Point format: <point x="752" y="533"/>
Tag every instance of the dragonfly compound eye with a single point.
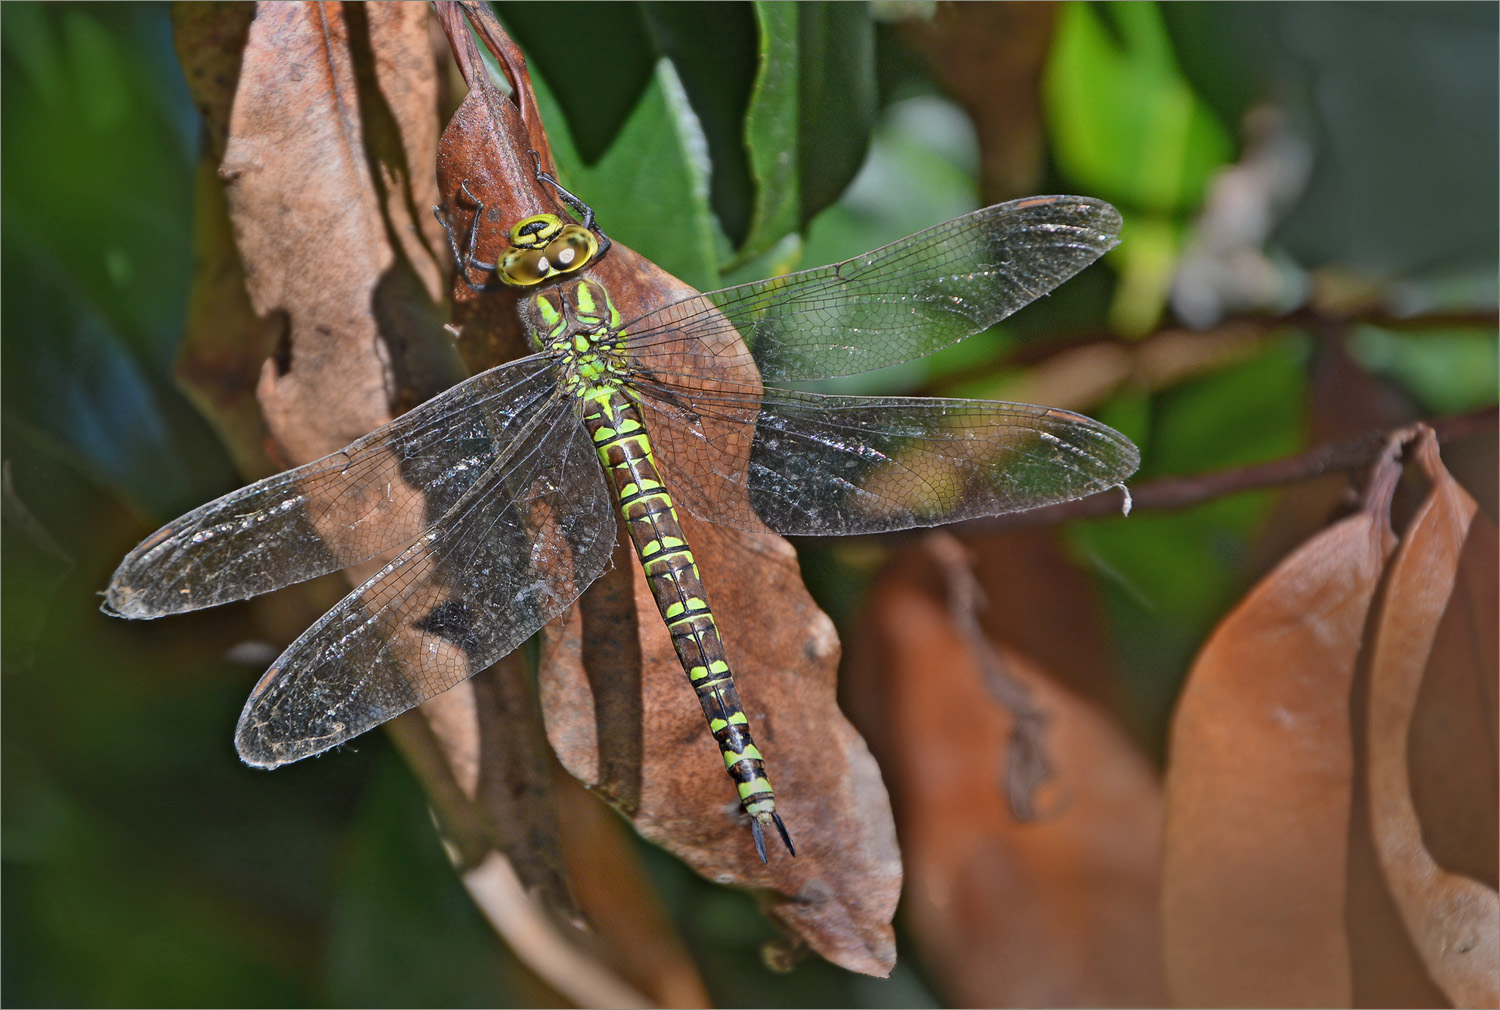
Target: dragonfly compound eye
<point x="523" y="268"/>
<point x="572" y="249"/>
<point x="536" y="231"/>
<point x="530" y="261"/>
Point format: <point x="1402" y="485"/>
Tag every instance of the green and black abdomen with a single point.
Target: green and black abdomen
<point x="620" y="437"/>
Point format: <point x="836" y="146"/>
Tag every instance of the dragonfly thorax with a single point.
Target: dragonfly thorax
<point x="578" y="327"/>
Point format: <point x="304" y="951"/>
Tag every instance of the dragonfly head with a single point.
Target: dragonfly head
<point x="544" y="246"/>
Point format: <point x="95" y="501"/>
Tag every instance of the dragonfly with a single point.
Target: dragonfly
<point x="499" y="496"/>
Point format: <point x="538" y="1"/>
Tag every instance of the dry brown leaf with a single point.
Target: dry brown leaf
<point x="1058" y="911"/>
<point x="402" y="100"/>
<point x="325" y="117"/>
<point x="1453" y="919"/>
<point x="1041" y="605"/>
<point x="311" y="226"/>
<point x="1453" y="739"/>
<point x="1259" y="780"/>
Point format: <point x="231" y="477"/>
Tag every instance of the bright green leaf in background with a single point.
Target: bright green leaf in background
<point x="835" y="97"/>
<point x="650" y="189"/>
<point x="771" y="132"/>
<point x="1123" y="121"/>
<point x="1447" y="370"/>
<point x="1125" y="124"/>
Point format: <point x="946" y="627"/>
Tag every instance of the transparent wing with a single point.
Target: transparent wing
<point x="373" y="496"/>
<point x="894" y="304"/>
<point x="510" y="554"/>
<point x="837" y="465"/>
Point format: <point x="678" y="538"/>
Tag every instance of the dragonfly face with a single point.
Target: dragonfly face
<point x="544" y="247"/>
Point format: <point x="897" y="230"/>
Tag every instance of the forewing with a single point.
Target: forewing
<point x="893" y="304"/>
<point x="511" y="554"/>
<point x="838" y="465"/>
<point x="375" y="495"/>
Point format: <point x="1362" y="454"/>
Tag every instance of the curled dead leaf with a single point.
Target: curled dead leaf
<point x="1326" y="797"/>
<point x="1453" y="919"/>
<point x="1259" y="779"/>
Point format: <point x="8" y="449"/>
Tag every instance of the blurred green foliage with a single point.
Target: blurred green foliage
<point x="144" y="865"/>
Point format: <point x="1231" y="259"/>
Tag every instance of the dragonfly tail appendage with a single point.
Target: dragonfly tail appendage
<point x="625" y="450"/>
<point x="758" y="830"/>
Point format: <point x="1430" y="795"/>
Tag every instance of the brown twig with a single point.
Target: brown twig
<point x="1181" y="492"/>
<point x="1027" y="768"/>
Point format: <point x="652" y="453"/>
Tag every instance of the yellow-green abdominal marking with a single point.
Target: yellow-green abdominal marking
<point x="579" y="326"/>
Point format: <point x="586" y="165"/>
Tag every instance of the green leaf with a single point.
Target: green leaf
<point x="714" y="49"/>
<point x="836" y="96"/>
<point x="771" y="133"/>
<point x="599" y="59"/>
<point x="1447" y="370"/>
<point x="1124" y="122"/>
<point x="650" y="190"/>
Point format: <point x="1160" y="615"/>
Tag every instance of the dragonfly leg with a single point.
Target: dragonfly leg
<point x="465" y="259"/>
<point x="576" y="204"/>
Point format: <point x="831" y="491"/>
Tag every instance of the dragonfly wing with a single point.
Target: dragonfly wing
<point x="838" y="465"/>
<point x="373" y="496"/>
<point x="896" y="303"/>
<point x="703" y="439"/>
<point x="509" y="555"/>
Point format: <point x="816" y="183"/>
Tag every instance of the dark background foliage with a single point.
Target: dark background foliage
<point x="143" y="864"/>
